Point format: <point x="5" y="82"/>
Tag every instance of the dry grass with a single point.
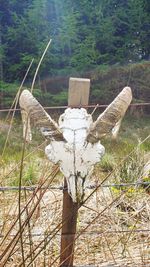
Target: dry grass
<point x="120" y="235"/>
<point x="117" y="219"/>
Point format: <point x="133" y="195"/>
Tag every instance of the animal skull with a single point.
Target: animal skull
<point x="75" y="140"/>
<point x="76" y="157"/>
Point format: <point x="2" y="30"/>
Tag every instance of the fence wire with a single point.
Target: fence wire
<point x="113" y="228"/>
<point x="61" y="188"/>
<point x="120" y="235"/>
<point x="83" y="106"/>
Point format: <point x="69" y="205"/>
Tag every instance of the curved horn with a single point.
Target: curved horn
<point x="39" y="116"/>
<point x="112" y="114"/>
<point x="115" y="129"/>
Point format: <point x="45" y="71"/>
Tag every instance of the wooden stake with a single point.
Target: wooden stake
<point x="69" y="217"/>
<point x="79" y="90"/>
<point x="78" y="96"/>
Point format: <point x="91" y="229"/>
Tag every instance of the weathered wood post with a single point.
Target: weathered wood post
<point x="75" y="146"/>
<point x="78" y="96"/>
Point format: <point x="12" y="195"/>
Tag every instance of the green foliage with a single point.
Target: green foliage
<point x="2" y="141"/>
<point x="132" y="169"/>
<point x="7" y="93"/>
<point x="86" y="35"/>
<point x="129" y="171"/>
<point x="30" y="175"/>
<point x="60" y="99"/>
<point x="107" y="163"/>
<point x="107" y="82"/>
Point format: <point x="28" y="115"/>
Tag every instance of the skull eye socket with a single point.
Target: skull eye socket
<point x="61" y="119"/>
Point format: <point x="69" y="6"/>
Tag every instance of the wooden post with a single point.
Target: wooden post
<point x="79" y="90"/>
<point x="78" y="96"/>
<point x="69" y="216"/>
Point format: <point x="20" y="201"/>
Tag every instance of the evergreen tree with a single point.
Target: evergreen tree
<point x="85" y="33"/>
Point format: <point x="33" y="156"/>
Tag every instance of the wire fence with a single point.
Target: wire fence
<point x="111" y="224"/>
<point x="61" y="188"/>
<point x="113" y="228"/>
<point x="83" y="106"/>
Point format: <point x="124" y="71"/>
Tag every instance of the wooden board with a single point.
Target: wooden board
<point x="79" y="90"/>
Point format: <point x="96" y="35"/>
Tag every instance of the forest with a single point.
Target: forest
<point x="105" y="40"/>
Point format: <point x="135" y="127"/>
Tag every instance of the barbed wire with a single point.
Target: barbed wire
<point x="61" y="188"/>
<point x="83" y="106"/>
<point x="91" y="186"/>
<point x="88" y="233"/>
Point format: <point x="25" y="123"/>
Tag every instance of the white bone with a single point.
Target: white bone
<point x="76" y="157"/>
<point x="116" y="129"/>
<point x="75" y="144"/>
<point x="27" y="134"/>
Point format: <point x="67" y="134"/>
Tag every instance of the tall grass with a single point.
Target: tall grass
<point x="43" y="214"/>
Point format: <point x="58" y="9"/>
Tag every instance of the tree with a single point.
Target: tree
<point x="85" y="33"/>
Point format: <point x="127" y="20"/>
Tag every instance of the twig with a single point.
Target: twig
<point x="37" y="69"/>
<point x="16" y="238"/>
<point x="16" y="102"/>
<point x="59" y="226"/>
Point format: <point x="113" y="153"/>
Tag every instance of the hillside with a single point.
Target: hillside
<point x="106" y="82"/>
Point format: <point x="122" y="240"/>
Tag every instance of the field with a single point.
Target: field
<point x="114" y="222"/>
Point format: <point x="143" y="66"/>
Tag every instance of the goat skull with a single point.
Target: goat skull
<point x="74" y="141"/>
<point x="76" y="157"/>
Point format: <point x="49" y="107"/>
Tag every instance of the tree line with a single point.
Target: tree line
<point x="86" y="34"/>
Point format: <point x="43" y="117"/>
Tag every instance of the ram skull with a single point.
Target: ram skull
<point x="75" y="140"/>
